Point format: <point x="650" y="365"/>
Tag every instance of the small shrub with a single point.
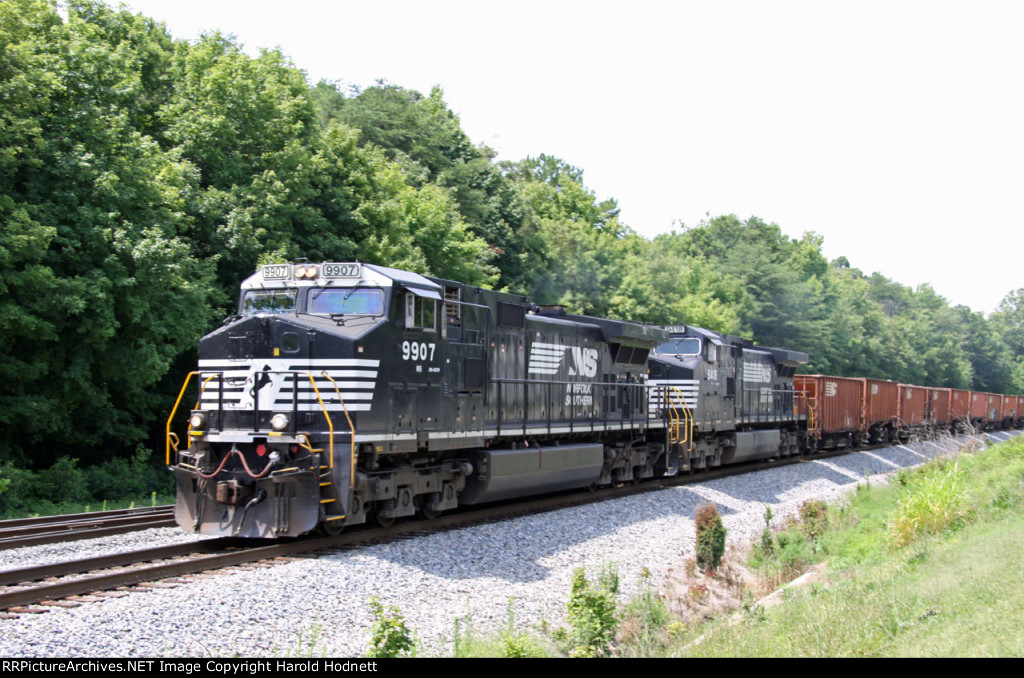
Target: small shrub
<point x="767" y="541"/>
<point x="390" y="637"/>
<point x="710" y="537"/>
<point x="591" y="614"/>
<point x="517" y="644"/>
<point x="813" y="518"/>
<point x="509" y="643"/>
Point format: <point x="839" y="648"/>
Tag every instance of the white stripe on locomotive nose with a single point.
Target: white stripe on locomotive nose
<point x="286" y="374"/>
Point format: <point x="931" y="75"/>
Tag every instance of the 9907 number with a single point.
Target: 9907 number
<point x="417" y="350"/>
<point x="341" y="270"/>
<point x="276" y="271"/>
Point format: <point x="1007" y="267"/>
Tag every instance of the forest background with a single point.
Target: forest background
<point x="143" y="177"/>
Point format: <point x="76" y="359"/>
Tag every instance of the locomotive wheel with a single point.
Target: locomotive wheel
<point x="382" y="521"/>
<point x="423" y="511"/>
<point x="332" y="528"/>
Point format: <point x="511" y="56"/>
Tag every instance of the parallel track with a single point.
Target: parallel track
<point x="51" y="529"/>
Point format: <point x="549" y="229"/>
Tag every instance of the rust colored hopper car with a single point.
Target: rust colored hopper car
<point x="836" y="409"/>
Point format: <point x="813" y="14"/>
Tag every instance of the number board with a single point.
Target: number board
<point x="342" y="270"/>
<point x="276" y="271"/>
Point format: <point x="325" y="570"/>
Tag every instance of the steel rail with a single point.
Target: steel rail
<point x="71" y="517"/>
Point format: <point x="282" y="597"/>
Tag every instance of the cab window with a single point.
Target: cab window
<point x="684" y="346"/>
<point x="346" y="301"/>
<point x="268" y="301"/>
<point x="420" y="313"/>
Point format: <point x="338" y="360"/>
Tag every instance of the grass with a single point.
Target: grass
<point x="938" y="598"/>
<point x="926" y="567"/>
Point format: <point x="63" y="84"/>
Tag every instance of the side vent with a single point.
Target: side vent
<point x="473" y="371"/>
<point x="511" y="315"/>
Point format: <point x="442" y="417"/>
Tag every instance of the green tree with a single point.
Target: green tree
<point x="1008" y="323"/>
<point x="100" y="291"/>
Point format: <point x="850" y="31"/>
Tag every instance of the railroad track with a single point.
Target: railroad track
<point x="51" y="529"/>
<point x="68" y="583"/>
<point x="43" y="585"/>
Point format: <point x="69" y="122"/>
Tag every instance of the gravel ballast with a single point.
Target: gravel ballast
<point x="432" y="579"/>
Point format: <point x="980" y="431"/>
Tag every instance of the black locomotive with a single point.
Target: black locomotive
<point x="347" y="390"/>
<point x="726" y="400"/>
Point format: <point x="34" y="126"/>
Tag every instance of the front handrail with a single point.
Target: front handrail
<point x="352" y="436"/>
<point x="167" y="431"/>
<point x="171" y="439"/>
<point x="686" y="417"/>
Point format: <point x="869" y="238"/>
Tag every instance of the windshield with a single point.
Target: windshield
<point x="686" y="346"/>
<point x="351" y="301"/>
<point x="268" y="301"/>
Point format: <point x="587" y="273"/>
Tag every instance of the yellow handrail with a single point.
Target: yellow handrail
<point x="174" y="410"/>
<point x="687" y="417"/>
<point x="352" y="430"/>
<point x="810" y="409"/>
<point x="330" y="424"/>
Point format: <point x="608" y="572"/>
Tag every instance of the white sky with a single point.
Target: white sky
<point x="895" y="129"/>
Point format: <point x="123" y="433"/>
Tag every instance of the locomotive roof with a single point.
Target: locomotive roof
<point x="624" y="332"/>
<point x="344" y="275"/>
<point x="406" y="278"/>
<point x="782" y="356"/>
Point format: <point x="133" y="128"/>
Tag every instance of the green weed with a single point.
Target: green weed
<point x="390" y="637"/>
<point x="591" y="613"/>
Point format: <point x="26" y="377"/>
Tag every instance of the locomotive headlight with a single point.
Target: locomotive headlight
<point x="306" y="272"/>
<point x="279" y="422"/>
<point x="197" y="422"/>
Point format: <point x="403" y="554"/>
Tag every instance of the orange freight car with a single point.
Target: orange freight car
<point x="913" y="408"/>
<point x="960" y="406"/>
<point x="881" y="409"/>
<point x="835" y="404"/>
<point x="940" y="414"/>
<point x="1016" y="409"/>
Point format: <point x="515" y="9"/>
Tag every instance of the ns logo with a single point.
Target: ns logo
<point x="584" y="362"/>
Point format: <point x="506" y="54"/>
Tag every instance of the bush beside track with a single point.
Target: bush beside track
<point x="66" y="488"/>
